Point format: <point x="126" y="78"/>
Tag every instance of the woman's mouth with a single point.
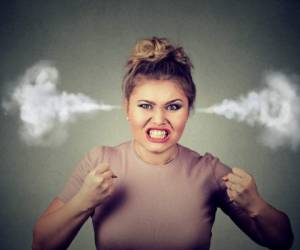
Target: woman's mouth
<point x="158" y="135"/>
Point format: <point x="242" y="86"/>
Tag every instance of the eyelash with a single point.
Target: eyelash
<point x="145" y="106"/>
<point x="171" y="107"/>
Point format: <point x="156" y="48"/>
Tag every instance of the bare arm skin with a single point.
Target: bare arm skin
<point x="60" y="222"/>
<point x="273" y="226"/>
<point x="59" y="225"/>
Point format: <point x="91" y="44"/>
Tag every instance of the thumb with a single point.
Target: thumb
<point x="101" y="168"/>
<point x="225" y="177"/>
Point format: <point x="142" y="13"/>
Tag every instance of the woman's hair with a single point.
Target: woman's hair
<point x="156" y="58"/>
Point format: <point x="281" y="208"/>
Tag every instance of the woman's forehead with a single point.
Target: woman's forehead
<point x="158" y="89"/>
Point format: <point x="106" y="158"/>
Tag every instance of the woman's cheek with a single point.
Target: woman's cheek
<point x="180" y="125"/>
<point x="180" y="128"/>
<point x="137" y="119"/>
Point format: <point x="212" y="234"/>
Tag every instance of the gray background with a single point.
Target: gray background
<point x="231" y="44"/>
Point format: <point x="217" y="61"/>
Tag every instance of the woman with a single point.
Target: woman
<point x="151" y="192"/>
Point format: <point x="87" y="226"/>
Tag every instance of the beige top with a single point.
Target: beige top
<point x="166" y="207"/>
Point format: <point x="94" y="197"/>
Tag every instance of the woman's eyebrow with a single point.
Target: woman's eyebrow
<point x="146" y="101"/>
<point x="174" y="100"/>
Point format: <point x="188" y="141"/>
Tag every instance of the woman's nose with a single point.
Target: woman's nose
<point x="159" y="116"/>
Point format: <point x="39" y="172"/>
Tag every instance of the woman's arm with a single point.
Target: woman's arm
<point x="273" y="226"/>
<point x="60" y="223"/>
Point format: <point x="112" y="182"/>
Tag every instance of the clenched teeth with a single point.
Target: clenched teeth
<point x="158" y="133"/>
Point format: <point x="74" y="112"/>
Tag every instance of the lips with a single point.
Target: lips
<point x="158" y="135"/>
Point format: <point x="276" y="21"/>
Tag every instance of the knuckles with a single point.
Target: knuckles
<point x="99" y="179"/>
<point x="105" y="186"/>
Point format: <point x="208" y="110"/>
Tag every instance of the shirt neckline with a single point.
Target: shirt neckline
<point x="168" y="165"/>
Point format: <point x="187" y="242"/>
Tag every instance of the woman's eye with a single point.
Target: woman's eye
<point x="173" y="107"/>
<point x="145" y="106"/>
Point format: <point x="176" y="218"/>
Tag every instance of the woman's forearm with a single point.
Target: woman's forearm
<point x="273" y="225"/>
<point x="57" y="229"/>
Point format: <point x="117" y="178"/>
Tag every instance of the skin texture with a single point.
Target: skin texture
<point x="151" y="105"/>
<point x="97" y="186"/>
<point x="242" y="190"/>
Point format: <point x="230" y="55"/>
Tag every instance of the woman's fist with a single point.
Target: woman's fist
<point x="97" y="186"/>
<point x="242" y="190"/>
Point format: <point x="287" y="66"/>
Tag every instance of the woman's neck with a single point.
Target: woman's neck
<point x="156" y="158"/>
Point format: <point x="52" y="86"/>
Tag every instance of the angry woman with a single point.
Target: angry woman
<point x="152" y="192"/>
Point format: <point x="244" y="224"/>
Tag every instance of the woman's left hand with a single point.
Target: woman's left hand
<point x="242" y="190"/>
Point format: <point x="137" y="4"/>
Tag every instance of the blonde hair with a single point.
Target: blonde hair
<point x="156" y="58"/>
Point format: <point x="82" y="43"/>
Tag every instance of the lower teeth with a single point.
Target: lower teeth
<point x="157" y="137"/>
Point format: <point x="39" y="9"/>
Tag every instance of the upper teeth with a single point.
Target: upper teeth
<point x="158" y="133"/>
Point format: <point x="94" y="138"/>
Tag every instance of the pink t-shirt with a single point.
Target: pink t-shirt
<point x="168" y="207"/>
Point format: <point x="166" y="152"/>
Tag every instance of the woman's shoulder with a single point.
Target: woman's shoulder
<point x="196" y="157"/>
<point x="102" y="153"/>
<point x="119" y="149"/>
<point x="96" y="151"/>
<point x="207" y="162"/>
<point x="115" y="155"/>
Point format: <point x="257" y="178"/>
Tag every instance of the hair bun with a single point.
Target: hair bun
<point x="155" y="50"/>
<point x="158" y="59"/>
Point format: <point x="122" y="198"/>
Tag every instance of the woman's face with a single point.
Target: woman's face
<point x="157" y="112"/>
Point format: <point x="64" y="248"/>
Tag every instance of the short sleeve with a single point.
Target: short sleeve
<point x="237" y="214"/>
<point x="75" y="181"/>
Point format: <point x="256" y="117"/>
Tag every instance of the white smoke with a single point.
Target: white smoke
<point x="44" y="111"/>
<point x="276" y="108"/>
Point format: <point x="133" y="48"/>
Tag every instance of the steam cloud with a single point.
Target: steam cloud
<point x="44" y="111"/>
<point x="276" y="108"/>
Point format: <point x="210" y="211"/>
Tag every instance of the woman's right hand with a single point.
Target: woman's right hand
<point x="60" y="223"/>
<point x="97" y="186"/>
